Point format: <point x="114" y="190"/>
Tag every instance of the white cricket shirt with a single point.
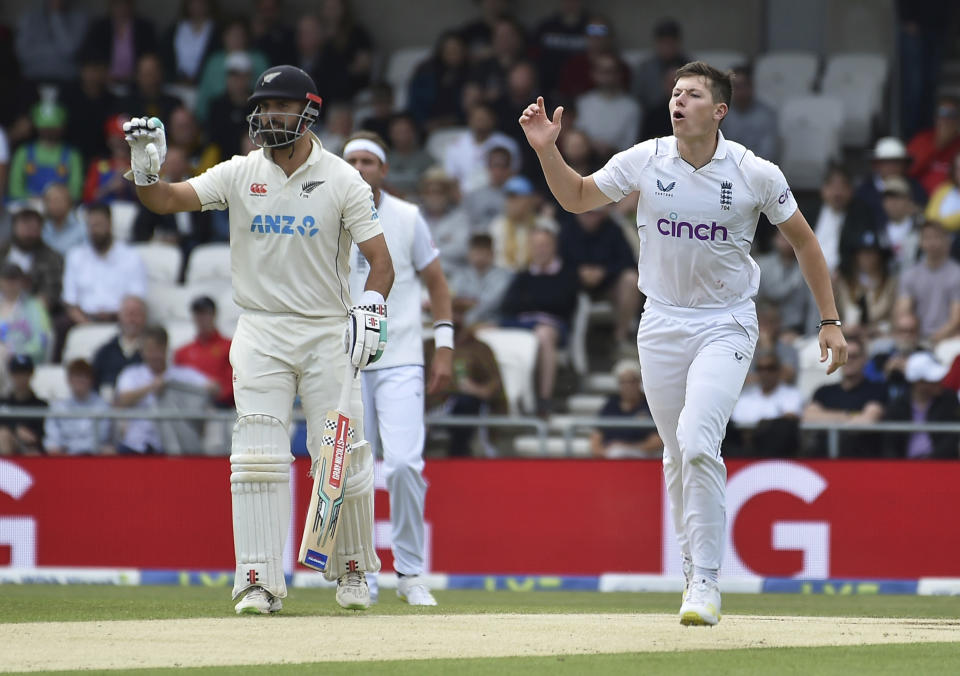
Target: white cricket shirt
<point x="696" y="225"/>
<point x="290" y="236"/>
<point x="412" y="249"/>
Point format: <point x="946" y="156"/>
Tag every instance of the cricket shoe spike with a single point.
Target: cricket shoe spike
<point x="412" y="590"/>
<point x="702" y="605"/>
<point x="258" y="601"/>
<point x="352" y="591"/>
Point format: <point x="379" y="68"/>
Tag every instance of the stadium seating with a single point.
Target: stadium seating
<point x="83" y="340"/>
<point x="179" y="333"/>
<point x="169" y="301"/>
<point x="209" y="261"/>
<point x="947" y="350"/>
<point x="516" y="354"/>
<point x="858" y="80"/>
<point x="724" y="59"/>
<point x="400" y="68"/>
<point x="439" y="139"/>
<point x="810" y="128"/>
<point x="811" y="373"/>
<point x="161" y="260"/>
<point x="778" y="76"/>
<point x="49" y="382"/>
<point x="634" y="57"/>
<point x="123" y="215"/>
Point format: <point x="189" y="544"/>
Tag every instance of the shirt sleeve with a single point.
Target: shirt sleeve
<point x="213" y="185"/>
<point x="137" y="276"/>
<point x="776" y="199"/>
<point x="359" y="215"/>
<point x="71" y="294"/>
<point x="620" y="176"/>
<point x="127" y="380"/>
<point x="424" y="251"/>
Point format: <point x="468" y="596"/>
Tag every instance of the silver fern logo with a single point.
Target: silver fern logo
<point x="309" y="187"/>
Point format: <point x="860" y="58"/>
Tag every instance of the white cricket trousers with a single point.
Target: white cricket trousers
<point x="393" y="401"/>
<point x="694" y="362"/>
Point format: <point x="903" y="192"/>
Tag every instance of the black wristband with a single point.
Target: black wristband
<point x="828" y="322"/>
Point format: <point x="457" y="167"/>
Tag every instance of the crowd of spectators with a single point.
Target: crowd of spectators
<point x="513" y="257"/>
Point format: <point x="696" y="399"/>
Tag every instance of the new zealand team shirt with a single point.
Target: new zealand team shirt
<point x="696" y="225"/>
<point x="412" y="249"/>
<point x="290" y="236"/>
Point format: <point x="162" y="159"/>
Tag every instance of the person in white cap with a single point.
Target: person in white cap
<point x="700" y="199"/>
<point x="889" y="159"/>
<point x="926" y="401"/>
<point x="393" y="388"/>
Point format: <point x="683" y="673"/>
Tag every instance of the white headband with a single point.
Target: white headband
<point x="364" y="144"/>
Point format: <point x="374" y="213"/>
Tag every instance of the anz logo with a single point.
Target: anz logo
<point x="283" y="225"/>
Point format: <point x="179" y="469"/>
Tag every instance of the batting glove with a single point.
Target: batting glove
<point x="366" y="335"/>
<point x="148" y="149"/>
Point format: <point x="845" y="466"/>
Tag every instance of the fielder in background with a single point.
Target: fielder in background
<point x="295" y="209"/>
<point x="393" y="399"/>
<point x="700" y="198"/>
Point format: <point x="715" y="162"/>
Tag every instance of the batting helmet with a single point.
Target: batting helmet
<point x="282" y="82"/>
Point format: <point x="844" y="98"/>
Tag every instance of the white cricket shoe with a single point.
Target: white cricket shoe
<point x="258" y="601"/>
<point x="412" y="590"/>
<point x="352" y="591"/>
<point x="702" y="605"/>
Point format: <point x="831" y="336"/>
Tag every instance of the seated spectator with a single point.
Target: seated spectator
<point x="576" y="74"/>
<point x="558" y="37"/>
<point x="36" y="164"/>
<point x="209" y="352"/>
<point x="576" y="149"/>
<point x="148" y="97"/>
<point x="121" y="37"/>
<point x="380" y="111"/>
<point x="24" y="323"/>
<point x="485" y="203"/>
<point x="188" y="43"/>
<point x="4" y="170"/>
<point x="407" y="159"/>
<point x="608" y="115"/>
<point x="889" y="159"/>
<point x="901" y="224"/>
<point x="478" y="33"/>
<point x="449" y="223"/>
<point x="509" y="47"/>
<point x="21" y="435"/>
<point x="889" y="363"/>
<point x="338" y="126"/>
<point x="48" y="37"/>
<point x="944" y="204"/>
<point x="347" y="53"/>
<point x="479" y="287"/>
<point x="629" y="402"/>
<point x="183" y="132"/>
<point x="100" y="273"/>
<point x="853" y="400"/>
<point x="925" y="401"/>
<point x="227" y="121"/>
<point x="512" y="229"/>
<point x="476" y="388"/>
<point x="594" y="246"/>
<point x="90" y="102"/>
<point x="522" y="88"/>
<point x="235" y="39"/>
<point x="930" y="289"/>
<point x="867" y="291"/>
<point x="152" y="385"/>
<point x="772" y="410"/>
<point x="667" y="48"/>
<point x="934" y="150"/>
<point x="62" y="229"/>
<point x="123" y="349"/>
<point x="772" y="338"/>
<point x="781" y="283"/>
<point x="436" y="87"/>
<point x="750" y="121"/>
<point x="269" y="33"/>
<point x="466" y="157"/>
<point x="543" y="297"/>
<point x="839" y="220"/>
<point x="79" y="436"/>
<point x="42" y="265"/>
<point x="105" y="182"/>
<point x="656" y="119"/>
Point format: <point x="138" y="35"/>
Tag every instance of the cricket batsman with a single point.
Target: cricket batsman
<point x="295" y="210"/>
<point x="700" y="198"/>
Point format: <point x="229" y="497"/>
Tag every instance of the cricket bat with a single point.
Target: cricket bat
<point x="329" y="480"/>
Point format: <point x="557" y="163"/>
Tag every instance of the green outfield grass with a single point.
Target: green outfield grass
<point x="50" y="603"/>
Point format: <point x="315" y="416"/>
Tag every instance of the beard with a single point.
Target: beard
<point x="27" y="243"/>
<point x="101" y="243"/>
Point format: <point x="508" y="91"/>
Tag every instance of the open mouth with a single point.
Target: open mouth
<point x="677" y="115"/>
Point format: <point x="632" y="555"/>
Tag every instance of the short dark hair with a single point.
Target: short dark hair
<point x="721" y="83"/>
<point x="80" y="367"/>
<point x="481" y="240"/>
<point x="837" y="169"/>
<point x="100" y="208"/>
<point x="933" y="223"/>
<point x="157" y="334"/>
<point x="668" y="28"/>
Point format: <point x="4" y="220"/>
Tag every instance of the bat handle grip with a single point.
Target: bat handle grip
<point x="348" y="377"/>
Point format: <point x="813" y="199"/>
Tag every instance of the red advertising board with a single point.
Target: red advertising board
<point x="572" y="517"/>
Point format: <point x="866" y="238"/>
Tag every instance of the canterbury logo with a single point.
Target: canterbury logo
<point x="269" y="77"/>
<point x="665" y="188"/>
<point x="309" y="187"/>
<point x="258" y="188"/>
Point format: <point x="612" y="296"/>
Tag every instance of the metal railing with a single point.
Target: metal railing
<point x="568" y="426"/>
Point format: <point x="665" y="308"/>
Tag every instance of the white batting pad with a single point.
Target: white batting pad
<point x="355" y="532"/>
<point x="260" y="484"/>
